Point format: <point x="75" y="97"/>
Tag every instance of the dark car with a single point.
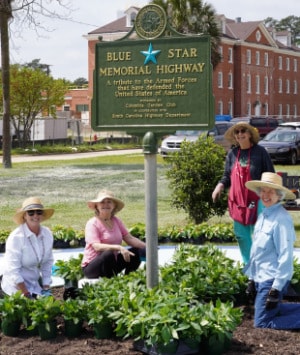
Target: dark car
<point x="264" y="124"/>
<point x="283" y="145"/>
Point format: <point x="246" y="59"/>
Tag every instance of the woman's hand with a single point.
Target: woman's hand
<point x="126" y="254"/>
<point x="217" y="192"/>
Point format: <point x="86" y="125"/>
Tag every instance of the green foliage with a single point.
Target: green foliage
<point x="45" y="310"/>
<point x="32" y="91"/>
<point x="174" y="310"/>
<point x="14" y="308"/>
<point x="70" y="270"/>
<point x="194" y="16"/>
<point x="193" y="174"/>
<point x="67" y="234"/>
<point x="74" y="310"/>
<point x="4" y="235"/>
<point x="206" y="271"/>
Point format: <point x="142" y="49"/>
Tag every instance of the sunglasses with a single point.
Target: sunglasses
<point x="32" y="212"/>
<point x="242" y="130"/>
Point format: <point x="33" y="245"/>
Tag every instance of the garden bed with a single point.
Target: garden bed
<point x="246" y="340"/>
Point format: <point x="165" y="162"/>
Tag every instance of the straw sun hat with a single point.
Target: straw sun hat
<point x="102" y="195"/>
<point x="230" y="136"/>
<point x="32" y="203"/>
<point x="273" y="181"/>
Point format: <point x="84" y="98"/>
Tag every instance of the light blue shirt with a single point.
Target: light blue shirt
<point x="271" y="256"/>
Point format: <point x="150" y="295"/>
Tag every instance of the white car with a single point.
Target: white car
<point x="172" y="143"/>
<point x="289" y="125"/>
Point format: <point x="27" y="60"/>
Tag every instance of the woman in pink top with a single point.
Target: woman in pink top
<point x="104" y="255"/>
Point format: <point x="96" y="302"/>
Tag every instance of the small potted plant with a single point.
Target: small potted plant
<point x="98" y="312"/>
<point x="74" y="313"/>
<point x="70" y="270"/>
<point x="44" y="316"/>
<point x="13" y="309"/>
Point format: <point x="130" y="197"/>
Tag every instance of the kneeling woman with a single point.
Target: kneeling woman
<point x="271" y="260"/>
<point x="104" y="255"/>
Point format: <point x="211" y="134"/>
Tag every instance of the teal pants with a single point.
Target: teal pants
<point x="243" y="236"/>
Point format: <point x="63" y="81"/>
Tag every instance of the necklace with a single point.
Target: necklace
<point x="36" y="254"/>
<point x="107" y="222"/>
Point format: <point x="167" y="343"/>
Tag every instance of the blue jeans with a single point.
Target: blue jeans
<point x="284" y="316"/>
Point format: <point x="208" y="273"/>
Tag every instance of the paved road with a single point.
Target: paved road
<point x="72" y="156"/>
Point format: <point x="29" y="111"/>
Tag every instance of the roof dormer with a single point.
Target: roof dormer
<point x="131" y="15"/>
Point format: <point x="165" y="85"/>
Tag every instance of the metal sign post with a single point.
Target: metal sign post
<point x="150" y="151"/>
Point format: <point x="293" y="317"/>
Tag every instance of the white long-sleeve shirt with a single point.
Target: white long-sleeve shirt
<point x="28" y="258"/>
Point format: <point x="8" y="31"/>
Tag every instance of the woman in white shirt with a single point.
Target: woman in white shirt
<point x="28" y="252"/>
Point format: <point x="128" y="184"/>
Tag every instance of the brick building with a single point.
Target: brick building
<point x="259" y="74"/>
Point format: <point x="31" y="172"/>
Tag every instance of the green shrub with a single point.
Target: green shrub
<point x="193" y="174"/>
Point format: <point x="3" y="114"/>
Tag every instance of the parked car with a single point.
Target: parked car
<point x="283" y="145"/>
<point x="263" y="124"/>
<point x="290" y="125"/>
<point x="172" y="143"/>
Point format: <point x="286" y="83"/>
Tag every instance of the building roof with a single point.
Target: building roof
<point x="118" y="25"/>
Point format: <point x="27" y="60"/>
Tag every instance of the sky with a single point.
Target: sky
<point x="64" y="48"/>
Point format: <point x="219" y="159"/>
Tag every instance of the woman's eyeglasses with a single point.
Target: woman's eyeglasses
<point x="32" y="212"/>
<point x="242" y="130"/>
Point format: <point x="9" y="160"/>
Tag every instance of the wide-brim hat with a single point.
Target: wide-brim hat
<point x="273" y="181"/>
<point x="102" y="195"/>
<point x="230" y="136"/>
<point x="32" y="203"/>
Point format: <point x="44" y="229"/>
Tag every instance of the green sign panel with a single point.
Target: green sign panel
<point x="158" y="85"/>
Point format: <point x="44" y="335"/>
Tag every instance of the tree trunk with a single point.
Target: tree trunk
<point x="5" y="15"/>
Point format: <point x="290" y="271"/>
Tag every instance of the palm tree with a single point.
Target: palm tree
<point x="194" y="16"/>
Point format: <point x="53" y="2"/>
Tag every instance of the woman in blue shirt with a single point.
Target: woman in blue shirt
<point x="271" y="259"/>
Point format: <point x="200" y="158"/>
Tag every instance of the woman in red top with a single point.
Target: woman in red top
<point x="104" y="255"/>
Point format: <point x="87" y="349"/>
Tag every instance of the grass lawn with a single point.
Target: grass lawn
<point x="66" y="185"/>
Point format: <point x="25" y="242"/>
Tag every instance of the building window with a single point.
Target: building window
<point x="280" y="63"/>
<point x="295" y="65"/>
<point x="266" y="85"/>
<point x="230" y="108"/>
<point x="248" y="56"/>
<point x="280" y="85"/>
<point x="266" y="59"/>
<point x="266" y="107"/>
<point x="287" y="86"/>
<point x="230" y="81"/>
<point x="220" y="108"/>
<point x="287" y="109"/>
<point x="230" y="56"/>
<point x="280" y="110"/>
<point x="248" y="109"/>
<point x="220" y="80"/>
<point x="221" y="53"/>
<point x="257" y="84"/>
<point x="257" y="58"/>
<point x="82" y="108"/>
<point x="66" y="108"/>
<point x="248" y="83"/>
<point x="295" y="110"/>
<point x="287" y="64"/>
<point x="295" y="87"/>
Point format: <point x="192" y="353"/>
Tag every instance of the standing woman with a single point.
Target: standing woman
<point x="246" y="161"/>
<point x="104" y="255"/>
<point x="28" y="252"/>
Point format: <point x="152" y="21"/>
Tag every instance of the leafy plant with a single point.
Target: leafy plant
<point x="14" y="308"/>
<point x="45" y="310"/>
<point x="70" y="270"/>
<point x="74" y="310"/>
<point x="193" y="174"/>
